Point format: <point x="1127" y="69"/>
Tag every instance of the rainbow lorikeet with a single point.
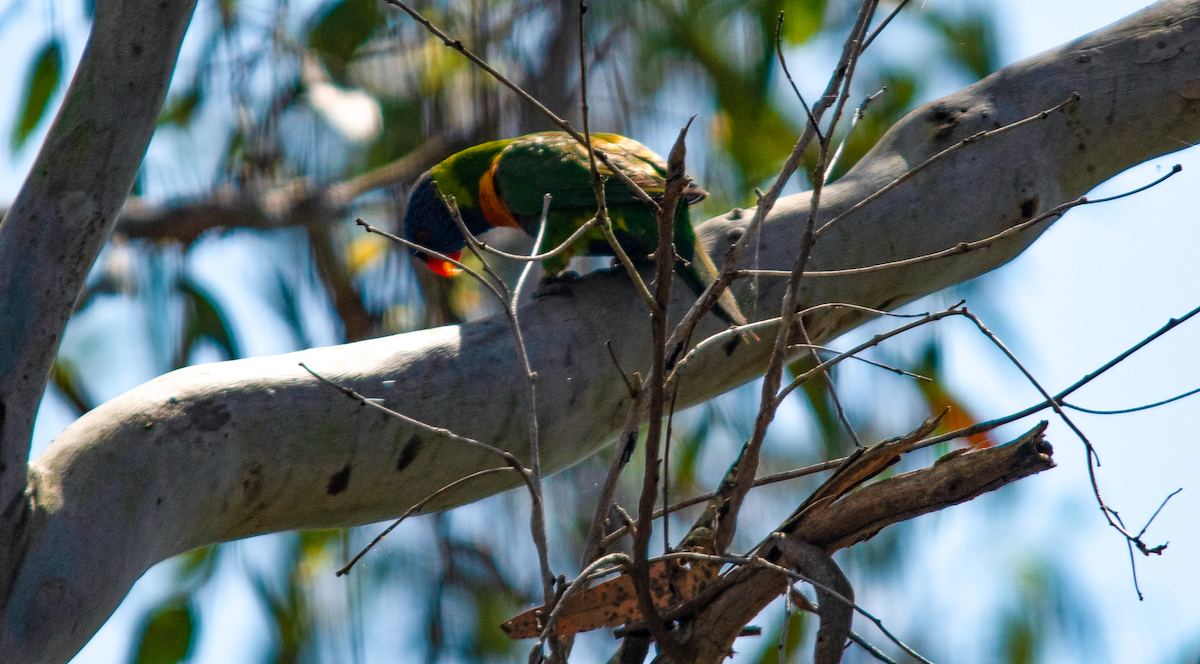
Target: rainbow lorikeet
<point x="501" y="183"/>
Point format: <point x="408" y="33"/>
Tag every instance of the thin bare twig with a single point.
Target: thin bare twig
<point x="837" y="403"/>
<point x="896" y="370"/>
<point x="859" y="114"/>
<point x="783" y="65"/>
<point x="457" y="45"/>
<point x="992" y="424"/>
<point x="867" y="42"/>
<point x="1134" y="409"/>
<point x="416" y="509"/>
<point x="974" y="138"/>
<point x="872" y="650"/>
<point x="1093" y="459"/>
<point x="761" y="562"/>
<point x="664" y="259"/>
<point x="413" y="245"/>
<point x="512" y="461"/>
<point x="769" y="401"/>
<point x="766" y="202"/>
<point x="537" y="515"/>
<point x="966" y="247"/>
<point x="955" y="310"/>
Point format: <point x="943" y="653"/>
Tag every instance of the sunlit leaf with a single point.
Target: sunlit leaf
<point x="939" y="395"/>
<point x="42" y="81"/>
<point x="168" y="635"/>
<point x="802" y="20"/>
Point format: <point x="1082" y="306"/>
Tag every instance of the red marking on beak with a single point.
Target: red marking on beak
<point x="445" y="268"/>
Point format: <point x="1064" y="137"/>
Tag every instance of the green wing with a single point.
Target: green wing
<point x="553" y="162"/>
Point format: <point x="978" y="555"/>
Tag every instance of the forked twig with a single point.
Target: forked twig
<point x="974" y="138"/>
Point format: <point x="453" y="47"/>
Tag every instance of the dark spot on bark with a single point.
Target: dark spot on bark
<point x="338" y="481"/>
<point x="137" y="50"/>
<point x="206" y="415"/>
<point x="158" y="502"/>
<point x="1161" y="44"/>
<point x="887" y="304"/>
<point x="1082" y="146"/>
<point x="732" y="344"/>
<point x="1083" y="58"/>
<point x="952" y="487"/>
<point x="409" y="453"/>
<point x="1029" y="207"/>
<point x="252" y="486"/>
<point x="944" y="119"/>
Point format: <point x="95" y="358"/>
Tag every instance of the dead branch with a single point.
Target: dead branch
<point x="855" y="518"/>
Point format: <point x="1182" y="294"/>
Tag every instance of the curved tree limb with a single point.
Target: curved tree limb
<point x="49" y="239"/>
<point x="228" y="450"/>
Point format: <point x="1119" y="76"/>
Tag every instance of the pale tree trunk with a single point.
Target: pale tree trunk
<point x="222" y="451"/>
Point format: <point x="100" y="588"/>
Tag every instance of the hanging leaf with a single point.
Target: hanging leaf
<point x="970" y="40"/>
<point x="204" y="320"/>
<point x="66" y="378"/>
<point x="341" y="30"/>
<point x="940" y="396"/>
<point x="45" y="75"/>
<point x="168" y="636"/>
<point x="180" y="109"/>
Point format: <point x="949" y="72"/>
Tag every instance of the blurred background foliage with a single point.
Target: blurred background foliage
<point x="241" y="228"/>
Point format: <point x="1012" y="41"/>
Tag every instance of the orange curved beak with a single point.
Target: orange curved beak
<point x="445" y="268"/>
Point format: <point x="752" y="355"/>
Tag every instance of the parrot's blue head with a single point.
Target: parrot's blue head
<point x="428" y="223"/>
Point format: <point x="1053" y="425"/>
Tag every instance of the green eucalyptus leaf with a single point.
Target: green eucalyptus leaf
<point x="42" y="81"/>
<point x="971" y="41"/>
<point x="802" y="20"/>
<point x="205" y="320"/>
<point x="180" y="109"/>
<point x="168" y="635"/>
<point x="339" y="32"/>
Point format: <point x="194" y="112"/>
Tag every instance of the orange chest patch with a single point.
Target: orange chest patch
<point x="494" y="210"/>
